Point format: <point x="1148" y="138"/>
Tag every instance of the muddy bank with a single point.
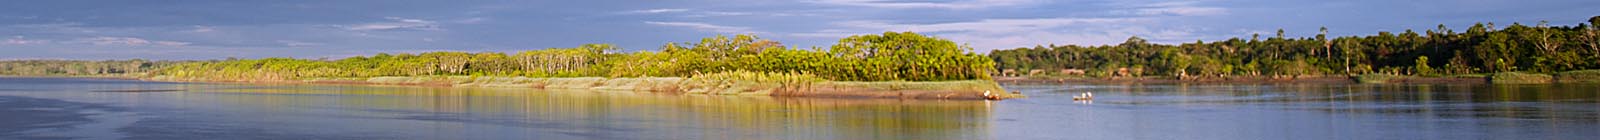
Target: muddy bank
<point x="963" y="90"/>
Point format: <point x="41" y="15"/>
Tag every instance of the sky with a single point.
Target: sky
<point x="212" y="29"/>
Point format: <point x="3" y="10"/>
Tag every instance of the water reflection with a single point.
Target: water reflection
<point x="1555" y="101"/>
<point x="517" y="113"/>
<point x="1119" y="111"/>
<point x="1340" y="111"/>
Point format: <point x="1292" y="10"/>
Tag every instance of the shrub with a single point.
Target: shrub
<point x="1581" y="76"/>
<point x="1519" y="78"/>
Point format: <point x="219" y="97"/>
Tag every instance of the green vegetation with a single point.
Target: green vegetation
<point x="1519" y="78"/>
<point x="888" y="57"/>
<point x="1481" y="49"/>
<point x="80" y="68"/>
<point x="1582" y="76"/>
<point x="1376" y="78"/>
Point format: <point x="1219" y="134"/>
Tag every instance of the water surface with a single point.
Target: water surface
<point x="64" y="108"/>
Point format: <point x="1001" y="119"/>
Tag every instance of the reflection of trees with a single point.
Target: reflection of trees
<point x="1551" y="102"/>
<point x="601" y="112"/>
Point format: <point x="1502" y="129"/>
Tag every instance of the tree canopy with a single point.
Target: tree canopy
<point x="886" y="57"/>
<point x="1480" y="49"/>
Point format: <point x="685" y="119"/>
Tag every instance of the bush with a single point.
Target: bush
<point x="1581" y="76"/>
<point x="1519" y="78"/>
<point x="1375" y="78"/>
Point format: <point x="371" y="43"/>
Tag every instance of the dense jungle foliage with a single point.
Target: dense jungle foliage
<point x="1480" y="49"/>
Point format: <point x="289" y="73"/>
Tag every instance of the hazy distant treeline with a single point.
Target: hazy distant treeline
<point x="79" y="67"/>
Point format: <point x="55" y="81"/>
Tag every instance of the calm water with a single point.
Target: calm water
<point x="56" y="108"/>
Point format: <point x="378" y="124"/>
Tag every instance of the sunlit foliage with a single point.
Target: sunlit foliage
<point x="888" y="57"/>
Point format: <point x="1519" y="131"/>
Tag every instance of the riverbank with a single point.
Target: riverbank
<point x="1366" y="79"/>
<point x="712" y="85"/>
<point x="1580" y="76"/>
<point x="1244" y="80"/>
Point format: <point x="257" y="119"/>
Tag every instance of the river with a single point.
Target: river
<point x="74" y="108"/>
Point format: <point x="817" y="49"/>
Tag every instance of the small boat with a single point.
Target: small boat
<point x="1083" y="97"/>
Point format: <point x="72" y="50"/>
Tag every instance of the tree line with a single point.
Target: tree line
<point x="890" y="56"/>
<point x="1482" y="48"/>
<point x="80" y="67"/>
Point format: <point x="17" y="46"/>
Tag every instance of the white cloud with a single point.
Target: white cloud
<point x="396" y="24"/>
<point x="705" y="27"/>
<point x="656" y="11"/>
<point x="694" y="13"/>
<point x="203" y="29"/>
<point x="701" y="14"/>
<point x="473" y="20"/>
<point x="128" y="41"/>
<point x="292" y="43"/>
<point x="1176" y="8"/>
<point x="718" y="13"/>
<point x="172" y="43"/>
<point x="19" y="40"/>
<point x="957" y="4"/>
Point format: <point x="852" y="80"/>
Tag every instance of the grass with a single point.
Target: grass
<point x="1580" y="76"/>
<point x="745" y="82"/>
<point x="976" y="85"/>
<point x="1519" y="78"/>
<point x="1466" y="76"/>
<point x="1376" y="78"/>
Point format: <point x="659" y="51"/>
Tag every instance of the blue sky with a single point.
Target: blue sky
<point x="211" y="29"/>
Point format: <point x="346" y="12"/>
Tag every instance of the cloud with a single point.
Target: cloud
<point x="705" y="27"/>
<point x="655" y="11"/>
<point x="956" y="4"/>
<point x="128" y="41"/>
<point x="292" y="43"/>
<point x="700" y="14"/>
<point x="693" y="13"/>
<point x="473" y="20"/>
<point x="718" y="13"/>
<point x="172" y="43"/>
<point x="1176" y="8"/>
<point x="203" y="29"/>
<point x="395" y="25"/>
<point x="19" y="40"/>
